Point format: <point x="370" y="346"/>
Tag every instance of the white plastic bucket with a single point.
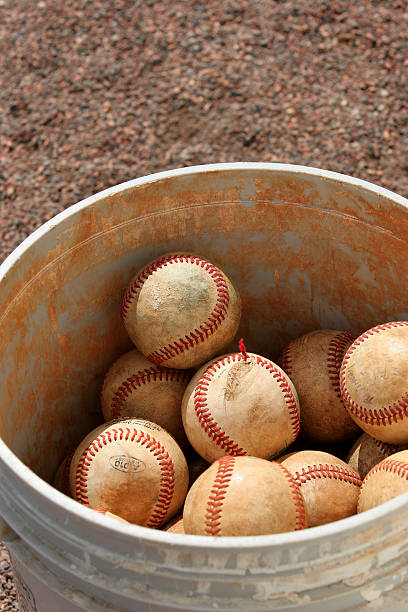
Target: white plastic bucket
<point x="307" y="249"/>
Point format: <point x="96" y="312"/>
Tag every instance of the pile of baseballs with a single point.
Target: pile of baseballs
<point x="202" y="441"/>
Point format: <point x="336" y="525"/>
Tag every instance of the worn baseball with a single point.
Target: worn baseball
<point x="135" y="387"/>
<point x="374" y="382"/>
<point x="329" y="487"/>
<point x="132" y="468"/>
<point x="384" y="481"/>
<point x="61" y="478"/>
<point x="180" y="310"/>
<point x="243" y="496"/>
<point x="240" y="404"/>
<point x="313" y="362"/>
<point x="366" y="452"/>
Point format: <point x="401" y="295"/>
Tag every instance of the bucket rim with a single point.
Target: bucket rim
<point x="64" y="503"/>
<point x="184" y="171"/>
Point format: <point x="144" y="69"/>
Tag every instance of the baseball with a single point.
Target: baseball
<point x="180" y="310"/>
<point x="373" y="382"/>
<point x="132" y="468"/>
<point x="329" y="487"/>
<point x="135" y="387"/>
<point x="242" y="496"/>
<point x="366" y="452"/>
<point x="385" y="481"/>
<point x="313" y="362"/>
<point x="240" y="404"/>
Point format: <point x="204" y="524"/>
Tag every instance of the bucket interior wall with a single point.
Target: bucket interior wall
<point x="305" y="251"/>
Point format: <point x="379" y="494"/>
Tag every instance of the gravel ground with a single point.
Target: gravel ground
<point x="8" y="599"/>
<point x="95" y="93"/>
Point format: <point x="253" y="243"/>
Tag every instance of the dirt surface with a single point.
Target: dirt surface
<point x="97" y="93"/>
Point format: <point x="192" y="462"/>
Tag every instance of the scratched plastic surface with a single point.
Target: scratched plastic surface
<point x="307" y="249"/>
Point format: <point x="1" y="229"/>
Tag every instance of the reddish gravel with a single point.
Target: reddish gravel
<point x="8" y="601"/>
<point x="95" y="93"/>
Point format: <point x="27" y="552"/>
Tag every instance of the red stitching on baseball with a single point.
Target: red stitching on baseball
<point x="207" y="421"/>
<point x="390" y="465"/>
<point x="195" y="336"/>
<point x="217" y="495"/>
<point x="385" y="448"/>
<point x="286" y="360"/>
<point x="300" y="522"/>
<point x="140" y="378"/>
<point x="385" y="415"/>
<point x="336" y="472"/>
<point x="335" y="354"/>
<point x="287" y="394"/>
<point x="165" y="462"/>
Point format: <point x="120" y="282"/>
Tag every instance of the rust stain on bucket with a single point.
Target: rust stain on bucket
<point x="305" y="253"/>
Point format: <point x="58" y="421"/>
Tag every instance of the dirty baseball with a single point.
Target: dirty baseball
<point x="217" y="504"/>
<point x="180" y="310"/>
<point x="240" y="404"/>
<point x="131" y="468"/>
<point x="313" y="362"/>
<point x="374" y="382"/>
<point x="135" y="387"/>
